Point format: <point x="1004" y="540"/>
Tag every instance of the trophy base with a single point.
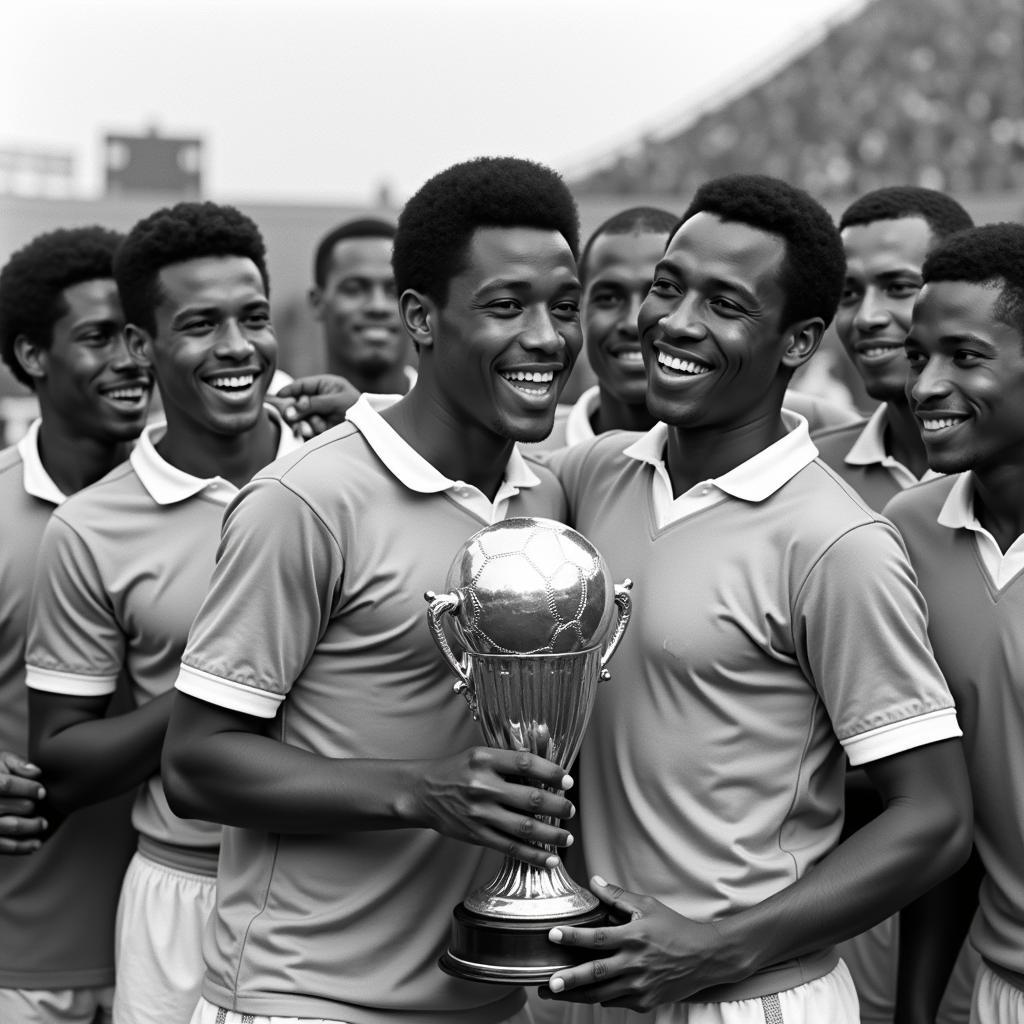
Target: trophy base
<point x="507" y="952"/>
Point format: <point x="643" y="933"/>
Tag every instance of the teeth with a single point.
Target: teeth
<point x="681" y="365"/>
<point x="934" y="424"/>
<point x="545" y="377"/>
<point x="242" y="381"/>
<point x="630" y="357"/>
<point x="873" y="352"/>
<point x="126" y="394"/>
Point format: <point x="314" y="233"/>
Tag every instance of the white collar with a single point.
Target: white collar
<point x="869" y="448"/>
<point x="167" y="485"/>
<point x="410" y="468"/>
<point x="757" y="478"/>
<point x="577" y="424"/>
<point x="957" y="510"/>
<point x="36" y="480"/>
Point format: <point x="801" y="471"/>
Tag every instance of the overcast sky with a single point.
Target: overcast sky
<point x="323" y="100"/>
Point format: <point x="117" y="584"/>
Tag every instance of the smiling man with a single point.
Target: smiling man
<point x="965" y="536"/>
<point x="124" y="565"/>
<point x="354" y="300"/>
<point x="62" y="335"/>
<point x="886" y="236"/>
<point x="714" y="763"/>
<point x="315" y="715"/>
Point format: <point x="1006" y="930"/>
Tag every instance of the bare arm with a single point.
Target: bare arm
<point x="220" y="765"/>
<point x="86" y="757"/>
<point x="921" y="836"/>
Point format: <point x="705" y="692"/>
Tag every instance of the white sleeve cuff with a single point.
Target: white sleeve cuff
<point x="226" y="693"/>
<point x="70" y="683"/>
<point x="897" y="737"/>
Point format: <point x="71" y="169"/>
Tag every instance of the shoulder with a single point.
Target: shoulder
<point x="835" y="442"/>
<point x="95" y="503"/>
<point x="10" y="458"/>
<point x="921" y="501"/>
<point x="829" y="498"/>
<point x="819" y="412"/>
<point x="339" y="449"/>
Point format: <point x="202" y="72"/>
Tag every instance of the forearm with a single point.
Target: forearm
<point x="88" y="759"/>
<point x="912" y="845"/>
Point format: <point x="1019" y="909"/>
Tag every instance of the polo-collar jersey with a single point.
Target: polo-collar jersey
<point x="57" y="905"/>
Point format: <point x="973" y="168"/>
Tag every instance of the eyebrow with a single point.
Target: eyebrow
<point x="721" y="283"/>
<point x="511" y="284"/>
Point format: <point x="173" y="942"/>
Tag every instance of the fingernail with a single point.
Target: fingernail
<point x="551" y="862"/>
<point x="46" y="824"/>
<point x="556" y="985"/>
<point x="290" y="414"/>
<point x="42" y="794"/>
<point x="598" y="880"/>
<point x="568" y="782"/>
<point x="572" y="839"/>
<point x="555" y="935"/>
<point x="31" y="767"/>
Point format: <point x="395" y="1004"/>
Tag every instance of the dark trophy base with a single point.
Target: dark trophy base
<point x="513" y="952"/>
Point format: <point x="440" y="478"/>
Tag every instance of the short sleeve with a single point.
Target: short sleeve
<point x="75" y="644"/>
<point x="861" y="631"/>
<point x="274" y="589"/>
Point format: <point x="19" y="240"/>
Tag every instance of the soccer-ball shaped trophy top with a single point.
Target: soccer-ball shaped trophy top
<point x="531" y="587"/>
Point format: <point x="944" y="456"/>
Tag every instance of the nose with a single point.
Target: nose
<point x="682" y="321"/>
<point x="542" y="333"/>
<point x="121" y="358"/>
<point x="381" y="302"/>
<point x="872" y="313"/>
<point x="630" y="315"/>
<point x="233" y="342"/>
<point x="929" y="383"/>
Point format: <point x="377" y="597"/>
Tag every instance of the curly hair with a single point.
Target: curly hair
<point x="941" y="213"/>
<point x="992" y="255"/>
<point x="365" y="227"/>
<point x="175" y="234"/>
<point x="635" y="220"/>
<point x="437" y="224"/>
<point x="32" y="282"/>
<point x="814" y="265"/>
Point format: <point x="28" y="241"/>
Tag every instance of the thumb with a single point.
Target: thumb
<point x="629" y="904"/>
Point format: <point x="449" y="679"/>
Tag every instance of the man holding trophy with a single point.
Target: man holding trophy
<point x="777" y="631"/>
<point x="316" y="719"/>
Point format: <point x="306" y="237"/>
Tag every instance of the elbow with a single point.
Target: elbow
<point x="178" y="777"/>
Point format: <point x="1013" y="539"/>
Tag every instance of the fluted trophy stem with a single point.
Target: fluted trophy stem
<point x="530" y="602"/>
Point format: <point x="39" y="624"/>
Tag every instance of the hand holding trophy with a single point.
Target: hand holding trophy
<point x="531" y="603"/>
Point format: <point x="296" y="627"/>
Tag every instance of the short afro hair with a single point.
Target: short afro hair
<point x="942" y="214"/>
<point x="365" y="227"/>
<point x="990" y="255"/>
<point x="438" y="222"/>
<point x="814" y="265"/>
<point x="634" y="221"/>
<point x="176" y="234"/>
<point x="35" y="276"/>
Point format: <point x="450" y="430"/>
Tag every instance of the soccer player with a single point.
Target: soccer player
<point x="776" y="631"/>
<point x="315" y="716"/>
<point x="886" y="236"/>
<point x="124" y="565"/>
<point x="965" y="536"/>
<point x="61" y="334"/>
<point x="354" y="300"/>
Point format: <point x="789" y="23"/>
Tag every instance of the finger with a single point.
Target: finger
<point x="304" y="430"/>
<point x="593" y="981"/>
<point x="317" y="424"/>
<point x="18" y="765"/>
<point x="17" y="827"/>
<point x="506" y="843"/>
<point x="533" y="801"/>
<point x="20" y="808"/>
<point x="630" y="904"/>
<point x="13" y="786"/>
<point x="607" y="937"/>
<point x="19" y="846"/>
<point x="521" y="763"/>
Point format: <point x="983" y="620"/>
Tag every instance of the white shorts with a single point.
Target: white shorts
<point x="207" y="1013"/>
<point x="995" y="1001"/>
<point x="57" y="1006"/>
<point x="831" y="998"/>
<point x="158" y="942"/>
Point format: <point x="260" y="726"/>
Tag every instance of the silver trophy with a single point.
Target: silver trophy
<point x="531" y="602"/>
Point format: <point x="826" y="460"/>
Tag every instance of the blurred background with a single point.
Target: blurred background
<point x="305" y="113"/>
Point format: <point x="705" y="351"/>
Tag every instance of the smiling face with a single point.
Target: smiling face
<point x="711" y="330"/>
<point x="883" y="277"/>
<point x="89" y="379"/>
<point x="502" y="345"/>
<point x="214" y="350"/>
<point x="620" y="268"/>
<point x="358" y="308"/>
<point x="966" y="378"/>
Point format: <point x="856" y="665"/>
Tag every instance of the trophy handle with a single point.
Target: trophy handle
<point x="624" y="606"/>
<point x="447" y="604"/>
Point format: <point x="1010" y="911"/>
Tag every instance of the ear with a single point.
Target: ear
<point x="140" y="345"/>
<point x="33" y="358"/>
<point x="802" y="341"/>
<point x="316" y="302"/>
<point x="420" y="316"/>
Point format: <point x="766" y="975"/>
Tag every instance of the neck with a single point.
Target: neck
<point x="468" y="453"/>
<point x="391" y="381"/>
<point x="614" y="414"/>
<point x="903" y="437"/>
<point x="204" y="454"/>
<point x="999" y="502"/>
<point x="74" y="461"/>
<point x="705" y="453"/>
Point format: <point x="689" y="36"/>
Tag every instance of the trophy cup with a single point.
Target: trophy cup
<point x="531" y="602"/>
